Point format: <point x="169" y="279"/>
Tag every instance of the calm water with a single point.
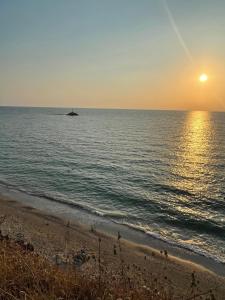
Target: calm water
<point x="158" y="171"/>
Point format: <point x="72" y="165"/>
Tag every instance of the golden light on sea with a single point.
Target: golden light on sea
<point x="194" y="153"/>
<point x="203" y="77"/>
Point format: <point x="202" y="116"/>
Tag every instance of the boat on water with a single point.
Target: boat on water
<point x="72" y="114"/>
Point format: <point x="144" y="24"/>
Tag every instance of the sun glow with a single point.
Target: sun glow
<point x="193" y="154"/>
<point x="203" y="77"/>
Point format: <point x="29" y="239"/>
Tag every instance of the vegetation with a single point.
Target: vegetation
<point x="26" y="275"/>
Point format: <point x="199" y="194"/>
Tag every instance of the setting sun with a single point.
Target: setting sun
<point x="203" y="77"/>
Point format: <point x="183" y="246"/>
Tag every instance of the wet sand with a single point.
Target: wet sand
<point x="52" y="236"/>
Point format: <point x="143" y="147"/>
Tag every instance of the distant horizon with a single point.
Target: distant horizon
<point x="111" y="108"/>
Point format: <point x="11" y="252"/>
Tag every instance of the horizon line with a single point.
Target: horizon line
<point x="110" y="108"/>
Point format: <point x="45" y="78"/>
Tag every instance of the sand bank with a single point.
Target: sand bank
<point x="52" y="237"/>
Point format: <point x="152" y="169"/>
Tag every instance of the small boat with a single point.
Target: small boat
<point x="72" y="114"/>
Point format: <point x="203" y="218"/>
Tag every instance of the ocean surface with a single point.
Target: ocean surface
<point x="161" y="172"/>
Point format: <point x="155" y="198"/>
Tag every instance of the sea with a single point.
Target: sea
<point x="161" y="173"/>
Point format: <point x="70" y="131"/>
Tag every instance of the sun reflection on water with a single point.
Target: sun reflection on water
<point x="192" y="165"/>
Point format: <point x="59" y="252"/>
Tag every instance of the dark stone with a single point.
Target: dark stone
<point x="72" y="114"/>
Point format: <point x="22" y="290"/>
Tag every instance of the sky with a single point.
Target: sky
<point x="138" y="54"/>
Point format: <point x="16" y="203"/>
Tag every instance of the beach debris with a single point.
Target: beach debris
<point x="62" y="259"/>
<point x="19" y="237"/>
<point x="80" y="258"/>
<point x="19" y="241"/>
<point x="58" y="259"/>
<point x="26" y="246"/>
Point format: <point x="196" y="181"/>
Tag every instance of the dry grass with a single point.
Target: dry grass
<point x="26" y="275"/>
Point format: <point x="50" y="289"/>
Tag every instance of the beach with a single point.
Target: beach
<point x="54" y="238"/>
<point x="112" y="150"/>
<point x="157" y="172"/>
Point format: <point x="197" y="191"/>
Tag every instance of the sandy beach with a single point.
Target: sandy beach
<point x="55" y="239"/>
<point x="112" y="161"/>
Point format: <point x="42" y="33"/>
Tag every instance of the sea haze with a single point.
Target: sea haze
<point x="161" y="172"/>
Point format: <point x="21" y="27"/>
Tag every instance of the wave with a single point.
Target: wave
<point x="200" y="225"/>
<point x="120" y="217"/>
<point x="88" y="208"/>
<point x="113" y="214"/>
<point x="171" y="189"/>
<point x="178" y="244"/>
<point x="6" y="183"/>
<point x="100" y="212"/>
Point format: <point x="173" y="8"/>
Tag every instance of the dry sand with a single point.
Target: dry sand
<point x="51" y="236"/>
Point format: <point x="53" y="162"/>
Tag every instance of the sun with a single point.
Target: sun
<point x="203" y="77"/>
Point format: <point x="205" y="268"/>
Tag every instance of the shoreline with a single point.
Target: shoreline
<point x="47" y="232"/>
<point x="111" y="228"/>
